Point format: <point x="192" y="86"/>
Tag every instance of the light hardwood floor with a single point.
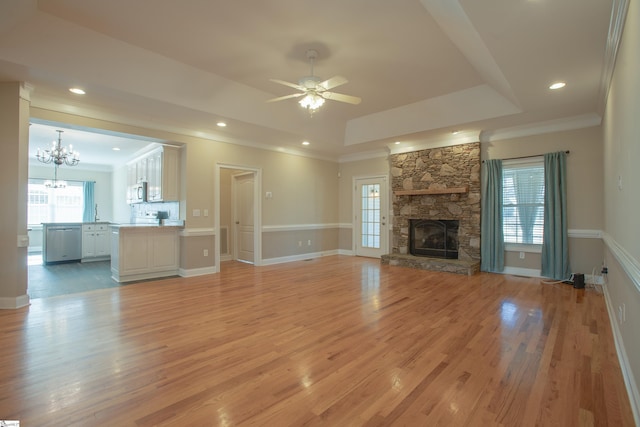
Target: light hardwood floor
<point x="336" y="341"/>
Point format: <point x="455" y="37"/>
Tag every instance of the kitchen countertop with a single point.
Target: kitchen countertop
<point x="171" y="225"/>
<point x="74" y="223"/>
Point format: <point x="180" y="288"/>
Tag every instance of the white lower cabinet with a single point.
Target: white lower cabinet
<point x="144" y="252"/>
<point x="96" y="244"/>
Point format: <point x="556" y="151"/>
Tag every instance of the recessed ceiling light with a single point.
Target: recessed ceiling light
<point x="305" y="143"/>
<point x="221" y="124"/>
<point x="557" y="85"/>
<point x="397" y="142"/>
<point x="77" y="91"/>
<point x="455" y="132"/>
<point x="115" y="149"/>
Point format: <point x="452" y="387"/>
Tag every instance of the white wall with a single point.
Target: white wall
<point x="621" y="130"/>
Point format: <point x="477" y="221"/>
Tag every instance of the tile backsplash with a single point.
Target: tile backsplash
<point x="150" y="210"/>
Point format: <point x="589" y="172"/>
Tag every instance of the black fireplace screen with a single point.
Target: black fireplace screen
<point x="433" y="238"/>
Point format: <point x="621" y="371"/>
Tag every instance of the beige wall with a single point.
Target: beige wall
<point x="584" y="190"/>
<point x="621" y="154"/>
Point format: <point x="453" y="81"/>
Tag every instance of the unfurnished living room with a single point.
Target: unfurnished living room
<point x="407" y="213"/>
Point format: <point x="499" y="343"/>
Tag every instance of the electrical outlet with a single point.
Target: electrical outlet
<point x="205" y="252"/>
<point x="521" y="255"/>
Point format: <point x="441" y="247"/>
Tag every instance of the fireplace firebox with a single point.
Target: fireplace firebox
<point x="433" y="238"/>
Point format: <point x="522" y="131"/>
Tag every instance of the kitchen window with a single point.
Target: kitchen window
<point x="54" y="204"/>
<point x="523" y="204"/>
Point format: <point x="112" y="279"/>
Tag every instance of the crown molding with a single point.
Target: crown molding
<point x="616" y="26"/>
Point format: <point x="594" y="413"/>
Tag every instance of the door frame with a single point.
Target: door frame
<point x="257" y="210"/>
<point x="384" y="210"/>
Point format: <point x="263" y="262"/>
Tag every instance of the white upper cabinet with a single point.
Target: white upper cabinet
<point x="160" y="169"/>
<point x="163" y="174"/>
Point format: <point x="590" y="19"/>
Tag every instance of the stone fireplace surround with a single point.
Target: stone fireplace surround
<point x="439" y="183"/>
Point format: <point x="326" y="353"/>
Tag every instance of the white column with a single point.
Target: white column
<point x="14" y="145"/>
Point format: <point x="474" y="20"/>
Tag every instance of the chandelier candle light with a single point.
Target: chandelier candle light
<point x="58" y="155"/>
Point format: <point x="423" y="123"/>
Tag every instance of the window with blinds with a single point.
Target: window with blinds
<point x="523" y="202"/>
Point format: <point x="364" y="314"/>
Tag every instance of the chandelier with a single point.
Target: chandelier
<point x="311" y="101"/>
<point x="58" y="154"/>
<point x="56" y="183"/>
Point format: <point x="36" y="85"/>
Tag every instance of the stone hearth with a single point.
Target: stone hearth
<point x="440" y="184"/>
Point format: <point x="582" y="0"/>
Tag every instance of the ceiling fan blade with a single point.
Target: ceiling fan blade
<point x="341" y="97"/>
<point x="334" y="81"/>
<point x="281" y="98"/>
<point x="282" y="82"/>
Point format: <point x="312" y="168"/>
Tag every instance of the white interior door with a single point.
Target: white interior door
<point x="370" y="206"/>
<point x="244" y="222"/>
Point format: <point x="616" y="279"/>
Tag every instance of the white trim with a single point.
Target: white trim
<point x="194" y="232"/>
<point x="625" y="367"/>
<point x="192" y="272"/>
<point x="345" y="252"/>
<point x="299" y="257"/>
<point x="585" y="234"/>
<point x="616" y="25"/>
<point x="299" y="227"/>
<point x="14" y="302"/>
<point x="517" y="271"/>
<point x="629" y="264"/>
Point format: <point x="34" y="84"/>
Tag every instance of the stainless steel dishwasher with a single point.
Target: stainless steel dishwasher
<point x="63" y="243"/>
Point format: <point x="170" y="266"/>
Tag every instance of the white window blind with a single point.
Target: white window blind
<point x="523" y="202"/>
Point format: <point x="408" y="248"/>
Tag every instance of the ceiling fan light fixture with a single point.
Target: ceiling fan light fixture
<point x="311" y="101"/>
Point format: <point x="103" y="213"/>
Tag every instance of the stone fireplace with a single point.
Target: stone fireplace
<point x="439" y="185"/>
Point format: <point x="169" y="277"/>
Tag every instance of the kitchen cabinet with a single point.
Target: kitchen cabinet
<point x="144" y="252"/>
<point x="163" y="174"/>
<point x="160" y="170"/>
<point x="96" y="244"/>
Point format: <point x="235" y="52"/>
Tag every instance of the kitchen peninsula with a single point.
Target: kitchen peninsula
<point x="144" y="251"/>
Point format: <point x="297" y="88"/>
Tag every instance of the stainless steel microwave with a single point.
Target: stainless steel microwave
<point x="138" y="193"/>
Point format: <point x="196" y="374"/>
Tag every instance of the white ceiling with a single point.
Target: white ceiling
<point x="423" y="68"/>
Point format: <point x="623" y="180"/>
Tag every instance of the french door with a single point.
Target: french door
<point x="371" y="232"/>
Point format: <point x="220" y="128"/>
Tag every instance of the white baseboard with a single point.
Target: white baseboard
<point x="13" y="303"/>
<point x="299" y="257"/>
<point x="517" y="271"/>
<point x="627" y="373"/>
<point x="192" y="272"/>
<point x="345" y="252"/>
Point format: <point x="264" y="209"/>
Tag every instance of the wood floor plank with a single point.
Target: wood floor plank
<point x="332" y="341"/>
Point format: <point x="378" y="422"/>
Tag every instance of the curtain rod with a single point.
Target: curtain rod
<point x="525" y="157"/>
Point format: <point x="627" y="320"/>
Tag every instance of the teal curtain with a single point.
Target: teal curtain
<point x="492" y="243"/>
<point x="88" y="212"/>
<point x="555" y="245"/>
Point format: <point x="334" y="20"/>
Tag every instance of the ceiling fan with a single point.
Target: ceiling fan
<point x="314" y="91"/>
